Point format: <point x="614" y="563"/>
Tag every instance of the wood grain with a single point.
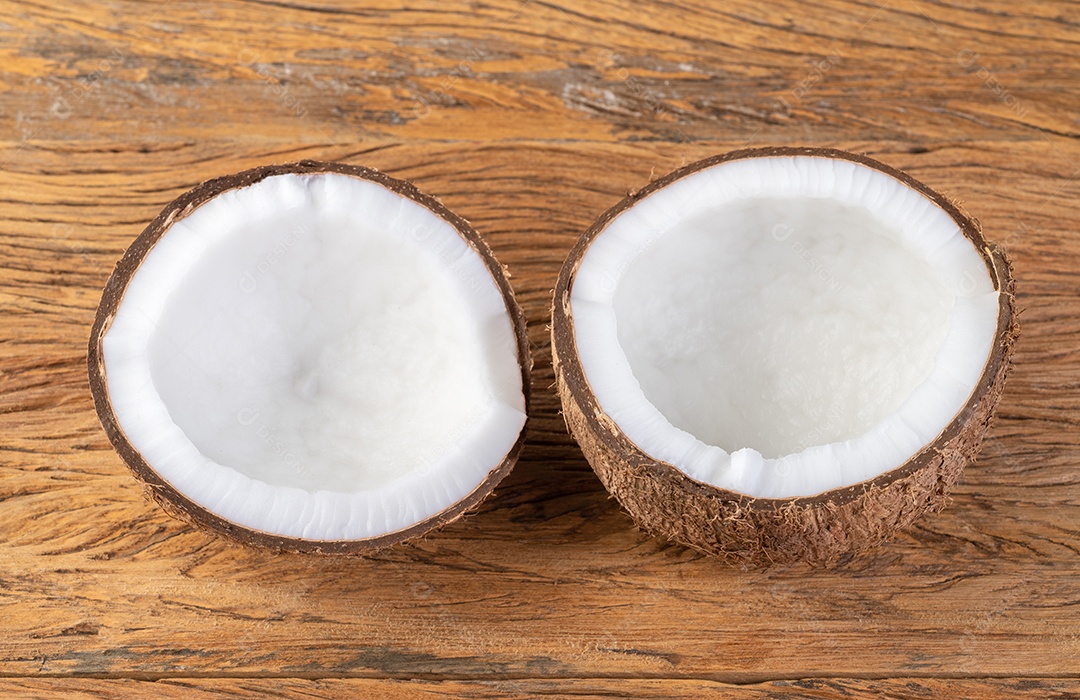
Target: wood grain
<point x="529" y="119"/>
<point x="579" y="689"/>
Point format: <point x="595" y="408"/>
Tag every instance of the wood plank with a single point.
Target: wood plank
<point x="529" y="117"/>
<point x="330" y="72"/>
<point x="580" y="689"/>
<point x="549" y="578"/>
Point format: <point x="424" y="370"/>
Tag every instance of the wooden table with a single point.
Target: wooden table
<point x="528" y="118"/>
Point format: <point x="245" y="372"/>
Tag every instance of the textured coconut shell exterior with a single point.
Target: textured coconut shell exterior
<point x="757" y="532"/>
<point x="174" y="501"/>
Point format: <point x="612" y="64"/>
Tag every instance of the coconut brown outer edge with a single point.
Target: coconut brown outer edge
<point x="758" y="532"/>
<point x="174" y="501"/>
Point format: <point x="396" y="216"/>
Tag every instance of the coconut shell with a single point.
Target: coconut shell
<point x="179" y="505"/>
<point x="757" y="532"/>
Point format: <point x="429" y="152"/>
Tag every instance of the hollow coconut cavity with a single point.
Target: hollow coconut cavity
<point x="782" y="354"/>
<point x="312" y="357"/>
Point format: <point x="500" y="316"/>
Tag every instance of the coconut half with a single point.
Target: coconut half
<point x="312" y="357"/>
<point x="782" y="354"/>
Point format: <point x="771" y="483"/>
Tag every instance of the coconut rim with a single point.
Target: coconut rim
<point x="174" y="500"/>
<point x="568" y="364"/>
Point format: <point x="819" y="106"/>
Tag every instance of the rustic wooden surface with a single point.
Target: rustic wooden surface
<point x="528" y="118"/>
<point x="521" y="689"/>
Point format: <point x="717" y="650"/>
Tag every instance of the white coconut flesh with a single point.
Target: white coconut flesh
<point x="783" y="326"/>
<point x="317" y="357"/>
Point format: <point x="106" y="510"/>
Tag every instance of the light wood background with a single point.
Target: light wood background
<point x="528" y="117"/>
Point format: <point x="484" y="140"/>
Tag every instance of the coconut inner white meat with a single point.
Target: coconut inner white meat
<point x="778" y="324"/>
<point x="783" y="326"/>
<point x="306" y="353"/>
<point x="316" y="356"/>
